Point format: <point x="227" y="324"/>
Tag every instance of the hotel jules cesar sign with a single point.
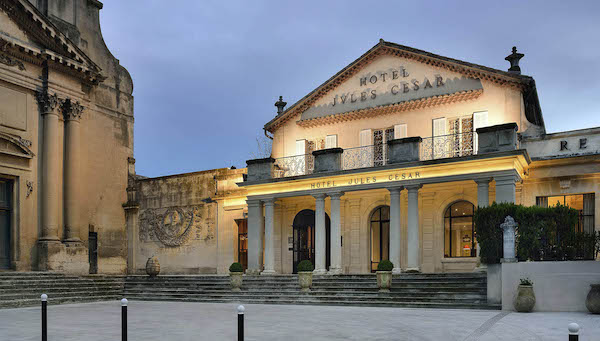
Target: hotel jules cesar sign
<point x="363" y="180"/>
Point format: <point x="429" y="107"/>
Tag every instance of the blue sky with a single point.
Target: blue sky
<point x="206" y="73"/>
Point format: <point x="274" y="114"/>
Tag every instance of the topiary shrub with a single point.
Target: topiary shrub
<point x="236" y="267"/>
<point x="385" y="265"/>
<point x="305" y="266"/>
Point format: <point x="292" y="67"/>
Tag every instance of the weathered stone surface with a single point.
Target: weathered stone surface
<point x="260" y="169"/>
<point x="498" y="138"/>
<point x="328" y="160"/>
<point x="404" y="150"/>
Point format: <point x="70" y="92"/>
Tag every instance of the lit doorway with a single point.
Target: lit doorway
<point x="304" y="238"/>
<point x="380" y="236"/>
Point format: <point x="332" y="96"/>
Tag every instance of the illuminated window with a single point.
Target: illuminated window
<point x="583" y="203"/>
<point x="459" y="230"/>
<point x="380" y="235"/>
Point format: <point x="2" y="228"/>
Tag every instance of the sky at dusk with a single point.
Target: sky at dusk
<point x="207" y="73"/>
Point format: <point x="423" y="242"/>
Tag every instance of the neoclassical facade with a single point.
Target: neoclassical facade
<point x="388" y="159"/>
<point x="66" y="140"/>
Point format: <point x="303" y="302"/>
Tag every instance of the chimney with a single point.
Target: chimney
<point x="280" y="105"/>
<point x="513" y="59"/>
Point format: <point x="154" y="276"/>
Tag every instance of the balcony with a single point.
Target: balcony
<point x="489" y="139"/>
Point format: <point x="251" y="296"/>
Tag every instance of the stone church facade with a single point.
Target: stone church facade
<point x="387" y="159"/>
<point x="66" y="140"/>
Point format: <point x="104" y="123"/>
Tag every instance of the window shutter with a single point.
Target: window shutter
<point x="365" y="138"/>
<point x="400" y="131"/>
<point x="439" y="126"/>
<point x="300" y="147"/>
<point x="480" y="119"/>
<point x="331" y="141"/>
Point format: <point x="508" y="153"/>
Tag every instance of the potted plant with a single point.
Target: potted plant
<point x="384" y="275"/>
<point x="525" y="298"/>
<point x="235" y="273"/>
<point x="305" y="273"/>
<point x="592" y="302"/>
<point x="152" y="266"/>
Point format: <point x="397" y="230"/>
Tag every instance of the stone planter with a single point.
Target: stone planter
<point x="305" y="280"/>
<point x="525" y="299"/>
<point x="152" y="267"/>
<point x="384" y="280"/>
<point x="592" y="302"/>
<point x="236" y="281"/>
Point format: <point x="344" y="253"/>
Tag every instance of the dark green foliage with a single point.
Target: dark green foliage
<point x="385" y="265"/>
<point x="526" y="281"/>
<point x="236" y="267"/>
<point x="542" y="233"/>
<point x="305" y="266"/>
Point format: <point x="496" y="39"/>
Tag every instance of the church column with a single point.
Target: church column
<point x="255" y="221"/>
<point x="269" y="237"/>
<point x="412" y="261"/>
<point x="320" y="235"/>
<point x="336" y="234"/>
<point x="50" y="167"/>
<point x="395" y="237"/>
<point x="72" y="113"/>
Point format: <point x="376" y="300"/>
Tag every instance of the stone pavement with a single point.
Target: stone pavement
<point x="218" y="321"/>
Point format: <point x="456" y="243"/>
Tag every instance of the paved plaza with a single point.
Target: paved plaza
<point x="208" y="321"/>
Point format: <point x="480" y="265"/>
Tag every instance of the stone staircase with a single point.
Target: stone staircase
<point x="19" y="289"/>
<point x="466" y="290"/>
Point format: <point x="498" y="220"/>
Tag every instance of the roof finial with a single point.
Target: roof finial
<point x="280" y="105"/>
<point x="514" y="61"/>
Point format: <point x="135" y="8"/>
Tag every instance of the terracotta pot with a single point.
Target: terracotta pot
<point x="305" y="280"/>
<point x="152" y="267"/>
<point x="384" y="280"/>
<point x="525" y="299"/>
<point x="236" y="280"/>
<point x="592" y="302"/>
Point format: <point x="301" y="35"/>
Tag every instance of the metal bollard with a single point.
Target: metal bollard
<point x="573" y="332"/>
<point x="241" y="310"/>
<point x="124" y="319"/>
<point x="44" y="299"/>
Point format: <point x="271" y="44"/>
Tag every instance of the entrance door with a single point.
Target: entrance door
<point x="5" y="213"/>
<point x="242" y="242"/>
<point x="93" y="252"/>
<point x="304" y="238"/>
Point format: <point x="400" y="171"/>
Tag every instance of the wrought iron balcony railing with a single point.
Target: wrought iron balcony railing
<point x="436" y="147"/>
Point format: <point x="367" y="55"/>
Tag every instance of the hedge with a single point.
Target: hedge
<point x="542" y="233"/>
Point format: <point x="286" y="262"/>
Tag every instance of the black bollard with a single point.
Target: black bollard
<point x="44" y="298"/>
<point x="573" y="332"/>
<point x="124" y="319"/>
<point x="240" y="310"/>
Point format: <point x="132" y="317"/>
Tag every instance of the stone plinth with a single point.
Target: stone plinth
<point x="508" y="227"/>
<point x="498" y="138"/>
<point x="327" y="160"/>
<point x="69" y="258"/>
<point x="404" y="150"/>
<point x="260" y="169"/>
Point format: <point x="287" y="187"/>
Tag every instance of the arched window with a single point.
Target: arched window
<point x="459" y="231"/>
<point x="380" y="235"/>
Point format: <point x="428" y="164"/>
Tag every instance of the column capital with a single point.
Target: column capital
<point x="413" y="188"/>
<point x="269" y="201"/>
<point x="71" y="110"/>
<point x="319" y="196"/>
<point x="483" y="181"/>
<point x="395" y="189"/>
<point x="336" y="195"/>
<point x="47" y="102"/>
<point x="507" y="179"/>
<point x="253" y="202"/>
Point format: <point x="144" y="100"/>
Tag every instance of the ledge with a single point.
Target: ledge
<point x="405" y="140"/>
<point x="328" y="151"/>
<point x="505" y="126"/>
<point x="264" y="160"/>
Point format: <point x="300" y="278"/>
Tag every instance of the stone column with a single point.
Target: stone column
<point x="483" y="199"/>
<point x="255" y="221"/>
<point x="395" y="236"/>
<point x="320" y="235"/>
<point x="336" y="235"/>
<point x="506" y="188"/>
<point x="412" y="261"/>
<point x="269" y="237"/>
<point x="50" y="166"/>
<point x="72" y="113"/>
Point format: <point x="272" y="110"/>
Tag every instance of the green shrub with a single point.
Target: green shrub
<point x="526" y="281"/>
<point x="385" y="265"/>
<point x="305" y="266"/>
<point x="236" y="267"/>
<point x="542" y="233"/>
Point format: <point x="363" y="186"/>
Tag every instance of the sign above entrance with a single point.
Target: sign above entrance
<point x="393" y="176"/>
<point x="389" y="86"/>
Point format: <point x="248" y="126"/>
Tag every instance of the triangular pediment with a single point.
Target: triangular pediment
<point x="25" y="32"/>
<point x="392" y="75"/>
<point x="15" y="146"/>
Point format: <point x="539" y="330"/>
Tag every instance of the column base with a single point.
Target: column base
<point x="253" y="272"/>
<point x="412" y="270"/>
<point x="268" y="272"/>
<point x="481" y="268"/>
<point x="319" y="272"/>
<point x="508" y="260"/>
<point x="68" y="258"/>
<point x="335" y="271"/>
<point x="396" y="271"/>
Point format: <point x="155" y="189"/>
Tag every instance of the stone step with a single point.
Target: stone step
<point x="17" y="303"/>
<point x="58" y="288"/>
<point x="64" y="294"/>
<point x="296" y="288"/>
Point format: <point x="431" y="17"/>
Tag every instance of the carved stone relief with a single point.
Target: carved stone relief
<point x="175" y="226"/>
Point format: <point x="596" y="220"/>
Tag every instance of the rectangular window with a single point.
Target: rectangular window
<point x="583" y="203"/>
<point x="400" y="131"/>
<point x="331" y="141"/>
